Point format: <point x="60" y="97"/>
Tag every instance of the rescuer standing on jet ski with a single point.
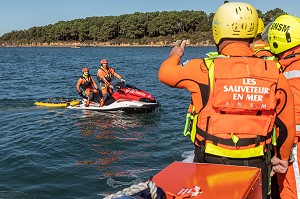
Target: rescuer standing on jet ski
<point x="105" y="76"/>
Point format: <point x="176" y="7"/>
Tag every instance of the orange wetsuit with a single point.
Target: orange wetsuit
<point x="289" y="185"/>
<point x="194" y="77"/>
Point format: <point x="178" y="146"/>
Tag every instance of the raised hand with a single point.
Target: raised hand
<point x="179" y="49"/>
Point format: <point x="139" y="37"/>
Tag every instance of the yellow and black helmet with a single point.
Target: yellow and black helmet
<point x="234" y="20"/>
<point x="284" y="33"/>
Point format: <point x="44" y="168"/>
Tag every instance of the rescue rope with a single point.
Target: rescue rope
<point x="133" y="189"/>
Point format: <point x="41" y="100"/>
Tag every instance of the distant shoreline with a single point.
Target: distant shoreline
<point x="81" y="46"/>
<point x="104" y="44"/>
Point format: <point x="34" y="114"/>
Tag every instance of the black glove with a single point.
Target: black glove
<point x="82" y="95"/>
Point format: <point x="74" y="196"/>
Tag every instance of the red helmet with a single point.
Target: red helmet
<point x="103" y="61"/>
<point x="85" y="70"/>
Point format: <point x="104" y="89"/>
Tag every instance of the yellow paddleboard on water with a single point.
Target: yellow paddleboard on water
<point x="57" y="102"/>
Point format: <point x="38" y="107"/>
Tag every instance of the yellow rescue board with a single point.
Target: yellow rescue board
<point x="58" y="102"/>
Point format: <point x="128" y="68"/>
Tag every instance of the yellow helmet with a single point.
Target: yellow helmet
<point x="260" y="26"/>
<point x="284" y="33"/>
<point x="235" y="20"/>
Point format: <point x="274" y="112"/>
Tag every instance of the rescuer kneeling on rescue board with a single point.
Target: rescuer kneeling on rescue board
<point x="238" y="100"/>
<point x="89" y="86"/>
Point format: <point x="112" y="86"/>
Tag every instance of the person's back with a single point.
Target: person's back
<point x="234" y="96"/>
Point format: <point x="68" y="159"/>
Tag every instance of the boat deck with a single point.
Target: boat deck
<point x="215" y="181"/>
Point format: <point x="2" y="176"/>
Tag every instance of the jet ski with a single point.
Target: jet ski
<point x="126" y="98"/>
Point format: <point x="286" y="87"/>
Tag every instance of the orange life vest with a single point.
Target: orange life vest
<point x="240" y="112"/>
<point x="87" y="83"/>
<point x="108" y="74"/>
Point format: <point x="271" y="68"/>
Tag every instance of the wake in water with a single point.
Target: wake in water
<point x="188" y="156"/>
<point x="115" y="183"/>
<point x="7" y="104"/>
<point x="13" y="104"/>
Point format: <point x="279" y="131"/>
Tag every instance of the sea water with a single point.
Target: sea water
<point x="62" y="153"/>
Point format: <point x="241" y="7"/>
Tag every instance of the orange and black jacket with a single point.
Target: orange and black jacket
<point x="86" y="83"/>
<point x="194" y="76"/>
<point x="106" y="74"/>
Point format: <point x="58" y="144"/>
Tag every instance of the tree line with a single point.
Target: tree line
<point x="141" y="28"/>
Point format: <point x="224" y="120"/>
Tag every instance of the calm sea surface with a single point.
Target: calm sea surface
<point x="61" y="153"/>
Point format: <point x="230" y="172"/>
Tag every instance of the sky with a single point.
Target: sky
<point x="24" y="14"/>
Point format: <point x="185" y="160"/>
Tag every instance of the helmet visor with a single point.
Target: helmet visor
<point x="265" y="32"/>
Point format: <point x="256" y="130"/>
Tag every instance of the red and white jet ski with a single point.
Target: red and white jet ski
<point x="126" y="98"/>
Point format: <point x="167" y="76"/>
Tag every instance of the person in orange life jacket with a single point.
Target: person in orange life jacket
<point x="105" y="76"/>
<point x="232" y="88"/>
<point x="258" y="46"/>
<point x="261" y="49"/>
<point x="283" y="37"/>
<point x="89" y="86"/>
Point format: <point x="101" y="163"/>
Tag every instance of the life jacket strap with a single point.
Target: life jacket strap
<point x="228" y="142"/>
<point x="190" y="125"/>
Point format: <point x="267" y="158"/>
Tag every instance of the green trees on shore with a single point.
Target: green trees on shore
<point x="140" y="28"/>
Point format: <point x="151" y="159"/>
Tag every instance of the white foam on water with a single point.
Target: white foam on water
<point x="188" y="156"/>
